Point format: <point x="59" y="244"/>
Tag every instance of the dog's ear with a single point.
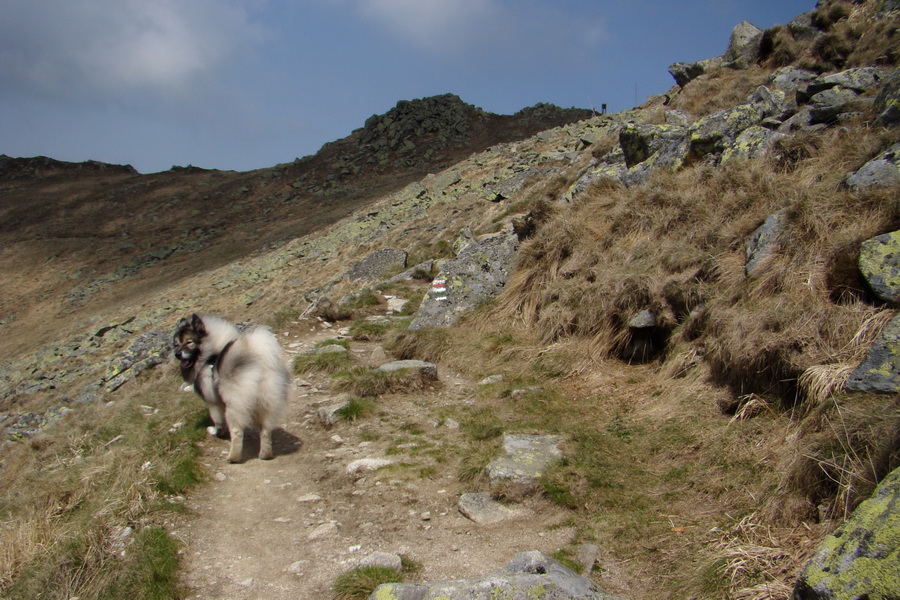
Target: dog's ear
<point x="182" y="324"/>
<point x="197" y="325"/>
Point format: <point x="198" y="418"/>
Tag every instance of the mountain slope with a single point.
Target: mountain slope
<point x="708" y="442"/>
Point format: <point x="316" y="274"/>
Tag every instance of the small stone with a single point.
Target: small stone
<point x="321" y="531"/>
<point x="484" y="510"/>
<point x="384" y="560"/>
<point x="309" y="498"/>
<point x="367" y="464"/>
<point x="296" y="568"/>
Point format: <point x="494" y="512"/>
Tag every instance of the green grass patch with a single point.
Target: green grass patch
<point x="362" y="299"/>
<point x="356" y="409"/>
<point x="322" y="362"/>
<point x="106" y="468"/>
<point x="371" y="331"/>
<point x="370" y="383"/>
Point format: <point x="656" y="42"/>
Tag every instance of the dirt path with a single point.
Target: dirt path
<point x="284" y="529"/>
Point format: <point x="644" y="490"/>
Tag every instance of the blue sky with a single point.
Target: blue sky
<point x="246" y="84"/>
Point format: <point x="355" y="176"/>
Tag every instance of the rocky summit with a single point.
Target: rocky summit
<point x="552" y="354"/>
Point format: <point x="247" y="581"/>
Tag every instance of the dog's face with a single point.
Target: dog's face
<point x="188" y="336"/>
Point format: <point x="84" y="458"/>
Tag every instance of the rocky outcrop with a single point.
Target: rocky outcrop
<point x="880" y="172"/>
<point x="379" y="264"/>
<point x="40" y="167"/>
<point x="446" y="117"/>
<point x="861" y="559"/>
<point x="148" y="350"/>
<point x="743" y="46"/>
<point x="714" y="133"/>
<point x="742" y="52"/>
<point x="887" y="103"/>
<point x="880" y="371"/>
<point x="753" y="142"/>
<point x="879" y="262"/>
<point x="478" y="273"/>
<point x="530" y="575"/>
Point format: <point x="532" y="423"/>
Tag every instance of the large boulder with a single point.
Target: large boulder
<point x="714" y="133"/>
<point x="858" y="79"/>
<point x="529" y="576"/>
<point x="879" y="262"/>
<point x="790" y="79"/>
<point x="828" y="105"/>
<point x="887" y="104"/>
<point x="753" y="142"/>
<point x="477" y="274"/>
<point x="685" y="72"/>
<point x="882" y="171"/>
<point x="743" y="46"/>
<point x="640" y="142"/>
<point x="742" y="52"/>
<point x="861" y="559"/>
<point x="880" y="370"/>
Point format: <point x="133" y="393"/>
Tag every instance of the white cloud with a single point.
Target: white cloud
<point x="457" y="26"/>
<point x="95" y="47"/>
<point x="433" y="24"/>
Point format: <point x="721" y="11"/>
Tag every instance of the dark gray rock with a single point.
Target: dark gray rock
<point x="799" y="121"/>
<point x="763" y="242"/>
<point x="887" y="104"/>
<point x="743" y="45"/>
<point x="879" y="262"/>
<point x="858" y="79"/>
<point x="715" y="132"/>
<point x="753" y="142"/>
<point x="861" y="559"/>
<point x="880" y="172"/>
<point x="827" y="105"/>
<point x="378" y="264"/>
<point x="791" y="79"/>
<point x="148" y="350"/>
<point x="880" y="370"/>
<point x="529" y="576"/>
<point x="331" y="414"/>
<point x="802" y="27"/>
<point x="479" y="273"/>
<point x="640" y="142"/>
<point x="685" y="72"/>
<point x="427" y="370"/>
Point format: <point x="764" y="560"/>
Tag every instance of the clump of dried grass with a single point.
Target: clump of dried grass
<point x="754" y="561"/>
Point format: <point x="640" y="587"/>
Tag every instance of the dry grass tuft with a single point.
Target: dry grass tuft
<point x="753" y="560"/>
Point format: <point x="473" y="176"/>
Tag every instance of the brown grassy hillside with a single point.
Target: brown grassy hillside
<point x="706" y="467"/>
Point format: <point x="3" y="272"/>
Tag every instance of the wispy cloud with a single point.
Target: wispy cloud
<point x="459" y="26"/>
<point x="96" y="47"/>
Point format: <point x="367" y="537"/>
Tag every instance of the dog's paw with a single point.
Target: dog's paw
<point x="211" y="431"/>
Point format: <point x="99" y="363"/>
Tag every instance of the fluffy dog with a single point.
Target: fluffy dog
<point x="242" y="377"/>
